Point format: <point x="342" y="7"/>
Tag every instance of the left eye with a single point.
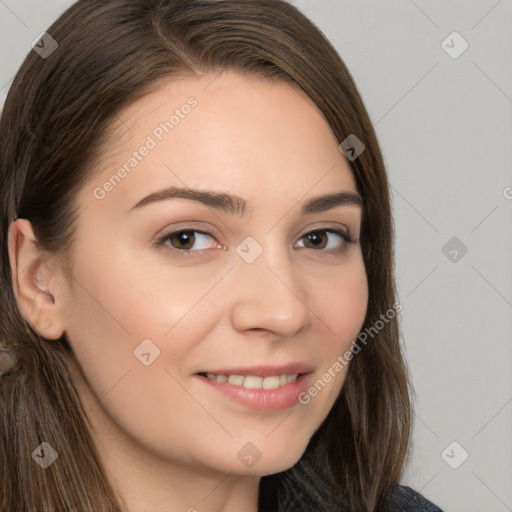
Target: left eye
<point x="184" y="240"/>
<point x="321" y="239"/>
<point x="188" y="241"/>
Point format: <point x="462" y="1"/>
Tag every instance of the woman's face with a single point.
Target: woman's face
<point x="208" y="256"/>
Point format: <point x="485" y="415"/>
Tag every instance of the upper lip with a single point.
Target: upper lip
<point x="265" y="370"/>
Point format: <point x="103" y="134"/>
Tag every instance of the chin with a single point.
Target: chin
<point x="265" y="461"/>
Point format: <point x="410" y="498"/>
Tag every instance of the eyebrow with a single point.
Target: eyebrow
<point x="235" y="204"/>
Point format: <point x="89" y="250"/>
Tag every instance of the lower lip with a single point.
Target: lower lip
<point x="276" y="399"/>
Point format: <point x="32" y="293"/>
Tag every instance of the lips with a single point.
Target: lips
<point x="260" y="387"/>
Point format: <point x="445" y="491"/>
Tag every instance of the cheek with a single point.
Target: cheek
<point x="342" y="305"/>
<point x="117" y="317"/>
<point x="341" y="310"/>
<point x="129" y="324"/>
<point x="131" y="301"/>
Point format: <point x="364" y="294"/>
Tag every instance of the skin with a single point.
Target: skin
<point x="168" y="441"/>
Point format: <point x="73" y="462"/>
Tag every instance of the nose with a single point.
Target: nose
<point x="269" y="296"/>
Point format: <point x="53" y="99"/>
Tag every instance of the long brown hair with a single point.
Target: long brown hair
<point x="56" y="116"/>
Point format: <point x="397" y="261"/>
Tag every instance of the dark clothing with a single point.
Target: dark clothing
<point x="405" y="499"/>
<point x="313" y="496"/>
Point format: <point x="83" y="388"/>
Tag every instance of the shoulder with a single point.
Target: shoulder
<point x="405" y="499"/>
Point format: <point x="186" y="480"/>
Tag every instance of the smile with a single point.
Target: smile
<point x="254" y="381"/>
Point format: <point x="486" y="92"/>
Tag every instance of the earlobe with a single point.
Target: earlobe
<point x="32" y="278"/>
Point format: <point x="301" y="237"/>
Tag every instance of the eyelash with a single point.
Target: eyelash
<point x="162" y="241"/>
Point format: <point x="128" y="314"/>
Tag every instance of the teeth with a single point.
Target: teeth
<point x="237" y="380"/>
<point x="253" y="381"/>
<point x="270" y="382"/>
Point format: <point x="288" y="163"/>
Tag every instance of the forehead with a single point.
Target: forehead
<point x="229" y="131"/>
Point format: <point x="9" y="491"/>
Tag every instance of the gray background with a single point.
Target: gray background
<point x="445" y="126"/>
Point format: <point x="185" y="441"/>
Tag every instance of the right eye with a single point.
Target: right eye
<point x="182" y="241"/>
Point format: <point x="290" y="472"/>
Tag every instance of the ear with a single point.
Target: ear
<point x="34" y="281"/>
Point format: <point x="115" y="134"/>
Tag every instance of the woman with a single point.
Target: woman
<point x="197" y="271"/>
